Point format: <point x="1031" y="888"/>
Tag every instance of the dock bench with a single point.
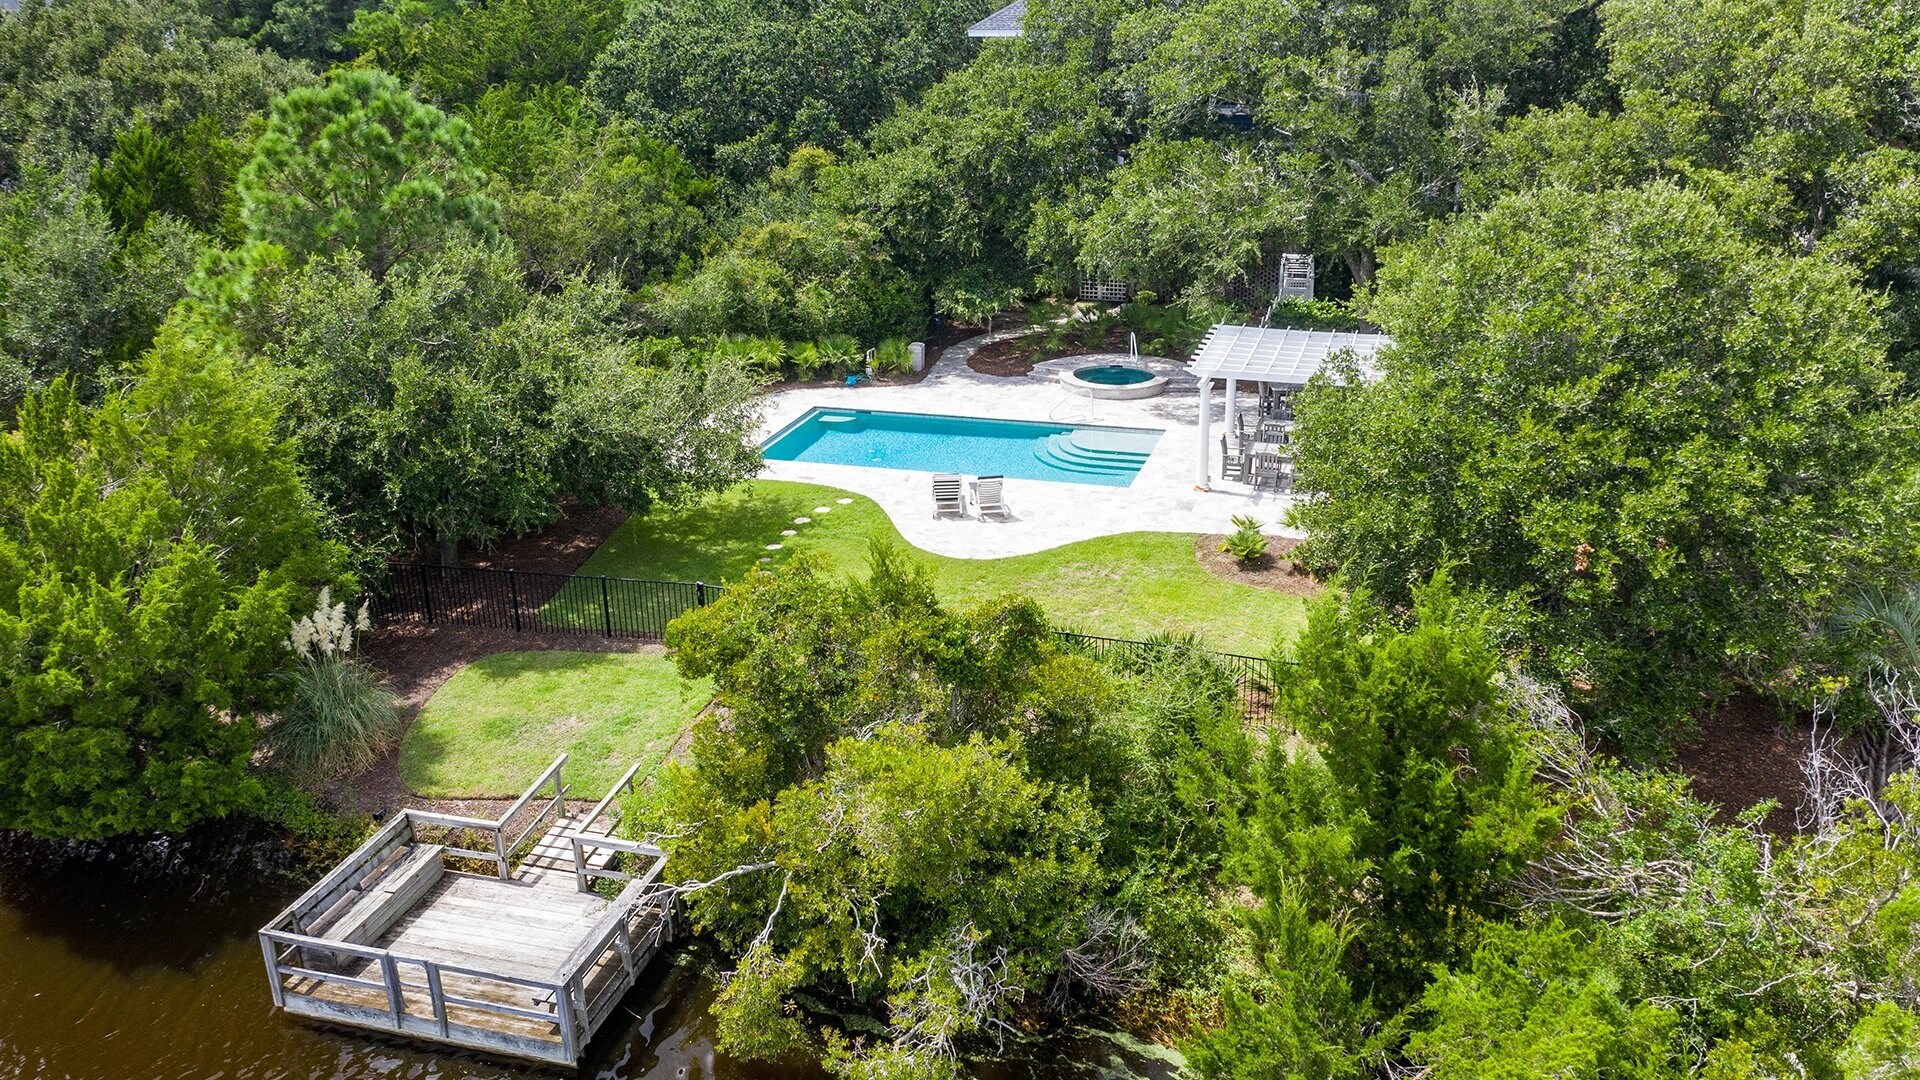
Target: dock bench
<point x="390" y="896"/>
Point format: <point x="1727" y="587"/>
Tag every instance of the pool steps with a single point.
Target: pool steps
<point x="1082" y="452"/>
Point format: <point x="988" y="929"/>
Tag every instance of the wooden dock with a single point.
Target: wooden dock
<point x="458" y="930"/>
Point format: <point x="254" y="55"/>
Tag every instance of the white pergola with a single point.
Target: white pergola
<point x="1277" y="357"/>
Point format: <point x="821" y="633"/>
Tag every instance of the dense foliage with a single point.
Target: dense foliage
<point x="450" y="403"/>
<point x="938" y="816"/>
<point x="153" y="551"/>
<point x="1450" y="883"/>
<point x="1678" y="449"/>
<point x="740" y="83"/>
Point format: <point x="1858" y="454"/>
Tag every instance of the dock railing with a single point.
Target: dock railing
<point x="504" y="853"/>
<point x="619" y="938"/>
<point x="283" y="949"/>
<point x="293" y="950"/>
<point x="434" y="999"/>
<point x="596" y="850"/>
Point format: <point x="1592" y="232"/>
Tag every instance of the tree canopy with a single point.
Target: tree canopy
<point x="739" y="84"/>
<point x="1674" y="447"/>
<point x="153" y="552"/>
<point x="449" y="403"/>
<point x="360" y="165"/>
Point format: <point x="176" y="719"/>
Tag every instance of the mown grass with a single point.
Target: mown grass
<point x="1129" y="585"/>
<point x="503" y="718"/>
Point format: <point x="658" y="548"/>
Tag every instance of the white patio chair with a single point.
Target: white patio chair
<point x="949" y="495"/>
<point x="989" y="498"/>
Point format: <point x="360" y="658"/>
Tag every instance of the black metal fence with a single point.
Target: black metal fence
<point x="530" y="602"/>
<point x="1252" y="675"/>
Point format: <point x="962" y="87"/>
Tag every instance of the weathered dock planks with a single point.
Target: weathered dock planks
<point x="525" y="961"/>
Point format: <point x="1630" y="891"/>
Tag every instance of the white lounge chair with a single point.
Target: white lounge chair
<point x="949" y="496"/>
<point x="989" y="499"/>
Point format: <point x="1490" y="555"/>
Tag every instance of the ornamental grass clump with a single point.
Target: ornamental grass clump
<point x="340" y="715"/>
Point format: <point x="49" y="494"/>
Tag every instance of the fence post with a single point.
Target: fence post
<point x="390" y="975"/>
<point x="699" y="594"/>
<point x="606" y="607"/>
<point x="437" y="996"/>
<point x="426" y="592"/>
<point x="273" y="970"/>
<point x="513" y="591"/>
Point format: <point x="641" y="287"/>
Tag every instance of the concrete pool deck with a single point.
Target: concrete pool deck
<point x="1046" y="513"/>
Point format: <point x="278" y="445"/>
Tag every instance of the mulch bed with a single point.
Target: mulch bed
<point x="560" y="549"/>
<point x="1007" y="358"/>
<point x="1272" y="572"/>
<point x="1016" y="356"/>
<point x="1745" y="753"/>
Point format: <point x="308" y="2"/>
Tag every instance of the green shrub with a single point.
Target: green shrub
<point x="1305" y="314"/>
<point x="758" y="352"/>
<point x="808" y="360"/>
<point x="840" y="352"/>
<point x="894" y="356"/>
<point x="1246" y="543"/>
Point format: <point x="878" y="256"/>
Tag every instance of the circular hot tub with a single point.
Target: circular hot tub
<point x="1117" y="382"/>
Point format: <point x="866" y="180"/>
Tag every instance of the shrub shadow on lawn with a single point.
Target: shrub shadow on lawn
<point x="716" y="541"/>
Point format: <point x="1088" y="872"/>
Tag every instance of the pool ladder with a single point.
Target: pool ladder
<point x="1133" y="352"/>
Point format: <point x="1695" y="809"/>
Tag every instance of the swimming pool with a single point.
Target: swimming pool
<point x="973" y="446"/>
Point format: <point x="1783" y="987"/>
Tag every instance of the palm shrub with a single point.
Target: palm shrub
<point x="1246" y="543"/>
<point x="759" y="352"/>
<point x="807" y="359"/>
<point x="340" y="714"/>
<point x="894" y="356"/>
<point x="839" y="352"/>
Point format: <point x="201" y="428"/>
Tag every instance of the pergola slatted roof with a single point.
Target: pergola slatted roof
<point x="1280" y="356"/>
<point x="1004" y="23"/>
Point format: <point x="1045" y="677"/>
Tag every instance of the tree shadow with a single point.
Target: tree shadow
<point x="714" y="541"/>
<point x="137" y="903"/>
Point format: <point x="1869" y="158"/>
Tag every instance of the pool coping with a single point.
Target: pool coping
<point x="1152" y="386"/>
<point x="1046" y="513"/>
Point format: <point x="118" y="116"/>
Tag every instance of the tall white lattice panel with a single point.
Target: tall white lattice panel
<point x="1105" y="291"/>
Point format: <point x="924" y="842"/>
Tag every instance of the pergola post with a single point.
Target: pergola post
<point x="1233" y="394"/>
<point x="1206" y="428"/>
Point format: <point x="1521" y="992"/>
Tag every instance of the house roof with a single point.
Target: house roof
<point x="1004" y="23"/>
<point x="1277" y="355"/>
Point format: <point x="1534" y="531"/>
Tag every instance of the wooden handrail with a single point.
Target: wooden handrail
<point x="502" y="853"/>
<point x="450" y="821"/>
<point x="558" y="803"/>
<point x="532" y="789"/>
<point x="601" y="807"/>
<point x="637" y="892"/>
<point x="614" y="843"/>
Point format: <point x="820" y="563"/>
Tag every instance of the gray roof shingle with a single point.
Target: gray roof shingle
<point x="1004" y="23"/>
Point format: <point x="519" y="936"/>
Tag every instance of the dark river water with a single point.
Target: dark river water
<point x="125" y="963"/>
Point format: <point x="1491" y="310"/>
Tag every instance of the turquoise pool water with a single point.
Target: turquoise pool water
<point x="1113" y="375"/>
<point x="922" y="442"/>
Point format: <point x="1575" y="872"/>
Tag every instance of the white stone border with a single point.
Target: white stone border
<point x="1046" y="513"/>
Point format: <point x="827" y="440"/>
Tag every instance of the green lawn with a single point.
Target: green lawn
<point x="497" y="723"/>
<point x="1121" y="586"/>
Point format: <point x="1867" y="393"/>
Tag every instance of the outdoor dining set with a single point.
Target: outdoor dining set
<point x="1260" y="452"/>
